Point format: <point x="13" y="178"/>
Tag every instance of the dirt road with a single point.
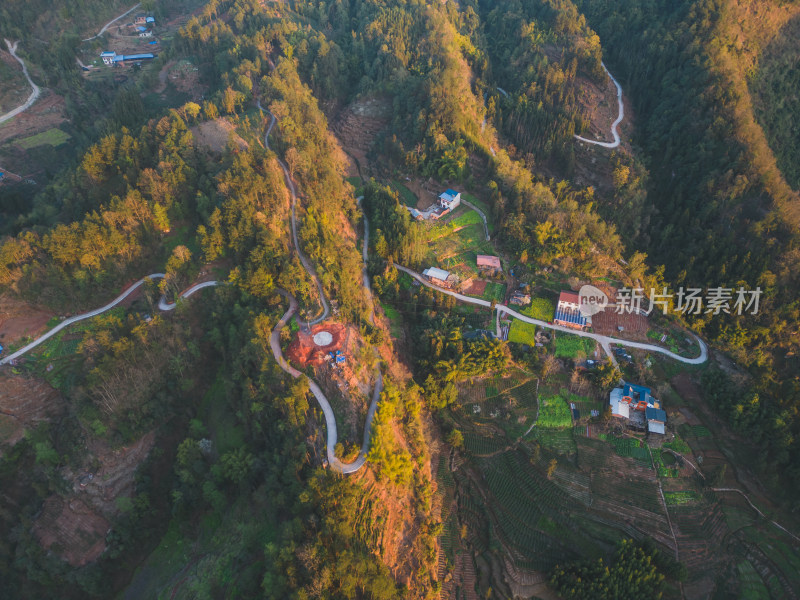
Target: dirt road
<point x="12" y="48"/>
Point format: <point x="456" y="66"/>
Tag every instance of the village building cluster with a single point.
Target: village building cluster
<point x="635" y="406"/>
<point x="142" y="26"/>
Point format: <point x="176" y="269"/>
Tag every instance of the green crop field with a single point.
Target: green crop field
<point x="570" y="346"/>
<point x="751" y="585"/>
<point x="554" y="413"/>
<point x="630" y="447"/>
<point x="51" y="137"/>
<point x="540" y="308"/>
<point x="680" y="497"/>
<point x="495" y="291"/>
<point x="407" y="197"/>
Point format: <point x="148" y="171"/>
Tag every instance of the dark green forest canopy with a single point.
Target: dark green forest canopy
<point x="776" y="99"/>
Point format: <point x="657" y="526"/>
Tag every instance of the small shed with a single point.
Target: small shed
<point x="656" y="420"/>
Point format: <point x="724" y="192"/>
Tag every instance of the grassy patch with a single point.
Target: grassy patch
<point x="483" y="206"/>
<point x="466" y="217"/>
<point x="395" y="320"/>
<point x="678" y="445"/>
<point x="570" y="346"/>
<point x="540" y="308"/>
<point x="522" y="333"/>
<point x="554" y="413"/>
<point x="51" y="137"/>
<point x="221" y="421"/>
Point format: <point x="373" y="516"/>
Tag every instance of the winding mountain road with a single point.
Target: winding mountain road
<point x="12" y="48"/>
<point x="162" y="304"/>
<point x="614" y="125"/>
<point x="303" y="259"/>
<point x="110" y="23"/>
<point x="603" y="340"/>
<point x="330" y="417"/>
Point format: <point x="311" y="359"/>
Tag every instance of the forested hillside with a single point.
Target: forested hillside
<point x="774" y="87"/>
<point x="724" y="213"/>
<point x="233" y="493"/>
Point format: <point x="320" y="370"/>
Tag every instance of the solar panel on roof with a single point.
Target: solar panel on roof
<point x="570" y="317"/>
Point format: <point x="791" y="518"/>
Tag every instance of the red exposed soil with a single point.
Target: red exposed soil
<point x="477" y="288"/>
<point x="72" y="530"/>
<point x="357" y="126"/>
<point x="23" y="404"/>
<point x="303" y="351"/>
<point x="608" y="321"/>
<point x="19" y="319"/>
<point x="75" y="527"/>
<point x="216" y="134"/>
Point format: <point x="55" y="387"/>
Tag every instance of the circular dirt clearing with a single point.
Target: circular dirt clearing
<point x="323" y="338"/>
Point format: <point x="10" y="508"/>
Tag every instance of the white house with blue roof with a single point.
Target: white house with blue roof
<point x="449" y="199"/>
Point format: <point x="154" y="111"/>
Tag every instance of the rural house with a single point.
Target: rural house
<point x="450" y="199"/>
<point x="112" y="58"/>
<point x="437" y="276"/>
<point x="140" y="19"/>
<point x="568" y="311"/>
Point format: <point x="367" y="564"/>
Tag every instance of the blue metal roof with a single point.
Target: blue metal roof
<point x="570" y="316"/>
<point x="141" y="28"/>
<point x="150" y="20"/>
<point x="137" y="56"/>
<point x="655" y="414"/>
<point x="107" y="53"/>
<point x="630" y="388"/>
<point x="453" y="193"/>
